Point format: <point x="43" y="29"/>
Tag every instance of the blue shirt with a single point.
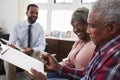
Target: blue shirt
<point x="19" y="36"/>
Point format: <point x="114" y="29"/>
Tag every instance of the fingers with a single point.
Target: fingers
<point x="34" y="71"/>
<point x="27" y="50"/>
<point x="36" y="75"/>
<point x="33" y="74"/>
<point x="29" y="74"/>
<point x="11" y="45"/>
<point x="46" y="58"/>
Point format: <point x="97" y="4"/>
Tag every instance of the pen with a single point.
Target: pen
<point x="4" y="51"/>
<point x="17" y="49"/>
<point x="53" y="55"/>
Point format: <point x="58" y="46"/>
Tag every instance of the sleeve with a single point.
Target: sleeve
<point x="71" y="73"/>
<point x="13" y="35"/>
<point x="41" y="43"/>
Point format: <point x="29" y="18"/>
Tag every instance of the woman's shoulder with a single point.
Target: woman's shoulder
<point x="90" y="43"/>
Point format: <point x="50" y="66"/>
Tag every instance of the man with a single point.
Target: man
<point x="104" y="29"/>
<point x="31" y="42"/>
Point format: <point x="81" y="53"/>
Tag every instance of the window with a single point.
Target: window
<point x="61" y="20"/>
<point x="42" y="18"/>
<point x="63" y="1"/>
<point x="88" y="1"/>
<point x="57" y="17"/>
<point x="39" y="1"/>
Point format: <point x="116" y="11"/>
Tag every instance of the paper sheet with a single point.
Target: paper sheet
<point x="20" y="59"/>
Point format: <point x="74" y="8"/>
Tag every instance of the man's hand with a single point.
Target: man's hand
<point x="51" y="63"/>
<point x="66" y="62"/>
<point x="36" y="75"/>
<point x="27" y="50"/>
<point x="11" y="45"/>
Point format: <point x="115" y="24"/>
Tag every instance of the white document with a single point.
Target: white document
<point x="20" y="59"/>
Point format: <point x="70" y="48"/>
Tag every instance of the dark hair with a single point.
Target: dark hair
<point x="28" y="7"/>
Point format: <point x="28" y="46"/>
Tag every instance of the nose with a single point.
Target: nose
<point x="75" y="30"/>
<point x="88" y="30"/>
<point x="35" y="14"/>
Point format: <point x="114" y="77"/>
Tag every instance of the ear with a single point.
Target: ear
<point x="113" y="28"/>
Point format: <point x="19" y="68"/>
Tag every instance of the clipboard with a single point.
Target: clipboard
<point x="20" y="59"/>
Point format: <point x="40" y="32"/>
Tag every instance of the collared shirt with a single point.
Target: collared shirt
<point x="105" y="65"/>
<point x="106" y="62"/>
<point x="19" y="36"/>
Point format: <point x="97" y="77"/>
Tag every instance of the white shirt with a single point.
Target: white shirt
<point x="19" y="36"/>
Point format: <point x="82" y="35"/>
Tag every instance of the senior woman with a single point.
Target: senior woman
<point x="82" y="50"/>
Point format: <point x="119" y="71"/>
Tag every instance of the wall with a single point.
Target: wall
<point x="8" y="14"/>
<point x="11" y="11"/>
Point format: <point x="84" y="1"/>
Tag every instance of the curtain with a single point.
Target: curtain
<point x="22" y="8"/>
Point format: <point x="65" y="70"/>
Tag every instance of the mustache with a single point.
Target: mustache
<point x="30" y="17"/>
<point x="33" y="17"/>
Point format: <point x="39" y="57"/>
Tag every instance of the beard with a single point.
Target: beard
<point x="32" y="19"/>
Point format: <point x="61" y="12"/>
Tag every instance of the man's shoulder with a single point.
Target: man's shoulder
<point x="37" y="25"/>
<point x="20" y="23"/>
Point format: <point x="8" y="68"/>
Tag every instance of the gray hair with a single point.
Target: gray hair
<point x="107" y="10"/>
<point x="80" y="15"/>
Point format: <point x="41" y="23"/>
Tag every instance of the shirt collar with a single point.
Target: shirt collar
<point x="110" y="44"/>
<point x="27" y="23"/>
